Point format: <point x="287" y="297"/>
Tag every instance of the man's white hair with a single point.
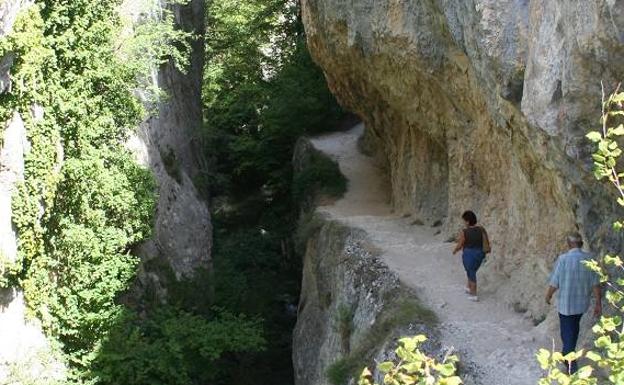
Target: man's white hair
<point x="575" y="239"/>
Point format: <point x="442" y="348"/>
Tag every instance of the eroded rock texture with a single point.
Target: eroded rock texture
<point x="349" y="307"/>
<point x="483" y="105"/>
<point x="166" y="142"/>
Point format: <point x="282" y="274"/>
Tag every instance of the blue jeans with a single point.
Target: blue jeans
<point x="570" y="327"/>
<point x="472" y="259"/>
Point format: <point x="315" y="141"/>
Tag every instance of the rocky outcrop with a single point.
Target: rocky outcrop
<point x="167" y="143"/>
<point x="351" y="308"/>
<point x="482" y="105"/>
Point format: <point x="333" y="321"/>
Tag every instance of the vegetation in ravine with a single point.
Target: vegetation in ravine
<point x="85" y="203"/>
<point x="261" y="93"/>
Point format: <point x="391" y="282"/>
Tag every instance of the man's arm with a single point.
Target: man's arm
<point x="598" y="297"/>
<point x="553" y="282"/>
<point x="549" y="293"/>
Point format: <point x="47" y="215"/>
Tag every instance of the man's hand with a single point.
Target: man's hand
<point x="598" y="309"/>
<point x="549" y="293"/>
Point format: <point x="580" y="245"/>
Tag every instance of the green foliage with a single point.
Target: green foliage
<point x="608" y="355"/>
<point x="253" y="275"/>
<point x="84" y="202"/>
<point x="321" y="176"/>
<point x="172" y="347"/>
<point x="415" y="367"/>
<point x="344" y="323"/>
<point x="403" y="310"/>
<point x="340" y="371"/>
<point x="261" y="91"/>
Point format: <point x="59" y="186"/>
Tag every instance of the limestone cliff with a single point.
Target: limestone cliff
<point x="483" y="105"/>
<point x="166" y="142"/>
<point x="351" y="309"/>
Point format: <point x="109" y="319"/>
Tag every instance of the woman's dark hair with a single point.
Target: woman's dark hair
<point x="470" y="217"/>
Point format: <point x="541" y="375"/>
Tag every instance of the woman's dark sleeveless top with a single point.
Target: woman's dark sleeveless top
<point x="473" y="238"/>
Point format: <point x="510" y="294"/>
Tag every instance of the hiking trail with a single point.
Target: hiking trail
<point x="497" y="344"/>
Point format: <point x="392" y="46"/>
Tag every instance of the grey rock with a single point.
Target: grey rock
<point x="483" y="105"/>
<point x="347" y="297"/>
<point x="167" y="143"/>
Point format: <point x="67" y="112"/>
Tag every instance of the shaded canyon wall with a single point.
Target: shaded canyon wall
<point x="483" y="105"/>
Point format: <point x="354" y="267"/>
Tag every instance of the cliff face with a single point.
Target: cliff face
<point x="351" y="307"/>
<point x="482" y="105"/>
<point x="166" y="143"/>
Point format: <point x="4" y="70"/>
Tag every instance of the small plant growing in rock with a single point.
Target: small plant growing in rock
<point x="414" y="367"/>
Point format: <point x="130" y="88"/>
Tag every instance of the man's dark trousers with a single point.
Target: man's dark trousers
<point x="570" y="326"/>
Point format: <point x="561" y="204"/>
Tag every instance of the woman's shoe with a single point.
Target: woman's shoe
<point x="473" y="298"/>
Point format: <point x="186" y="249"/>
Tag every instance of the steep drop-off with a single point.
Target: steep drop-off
<point x="352" y="306"/>
<point x="482" y="105"/>
<point x="167" y="144"/>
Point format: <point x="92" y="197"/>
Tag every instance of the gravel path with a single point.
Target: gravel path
<point x="496" y="345"/>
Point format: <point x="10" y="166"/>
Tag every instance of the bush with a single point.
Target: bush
<point x="321" y="176"/>
<point x="415" y="367"/>
<point x="172" y="347"/>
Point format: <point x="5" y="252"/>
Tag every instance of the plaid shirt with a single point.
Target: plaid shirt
<point x="574" y="281"/>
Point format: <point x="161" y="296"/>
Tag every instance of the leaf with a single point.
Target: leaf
<point x="447" y="369"/>
<point x="386" y="367"/>
<point x="451" y="381"/>
<point x="603" y="342"/>
<point x="543" y="357"/>
<point x="585" y="372"/>
<point x="594" y="136"/>
<point x="618" y="131"/>
<point x="593" y="356"/>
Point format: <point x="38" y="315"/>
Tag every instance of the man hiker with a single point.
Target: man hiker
<point x="575" y="283"/>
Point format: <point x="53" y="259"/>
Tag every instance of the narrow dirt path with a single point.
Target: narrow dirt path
<point x="496" y="344"/>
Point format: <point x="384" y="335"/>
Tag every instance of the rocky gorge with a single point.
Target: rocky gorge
<point x="478" y="104"/>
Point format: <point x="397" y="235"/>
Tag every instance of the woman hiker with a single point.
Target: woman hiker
<point x="474" y="242"/>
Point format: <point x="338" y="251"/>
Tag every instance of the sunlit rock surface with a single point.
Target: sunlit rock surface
<point x="483" y="105"/>
<point x="167" y="143"/>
